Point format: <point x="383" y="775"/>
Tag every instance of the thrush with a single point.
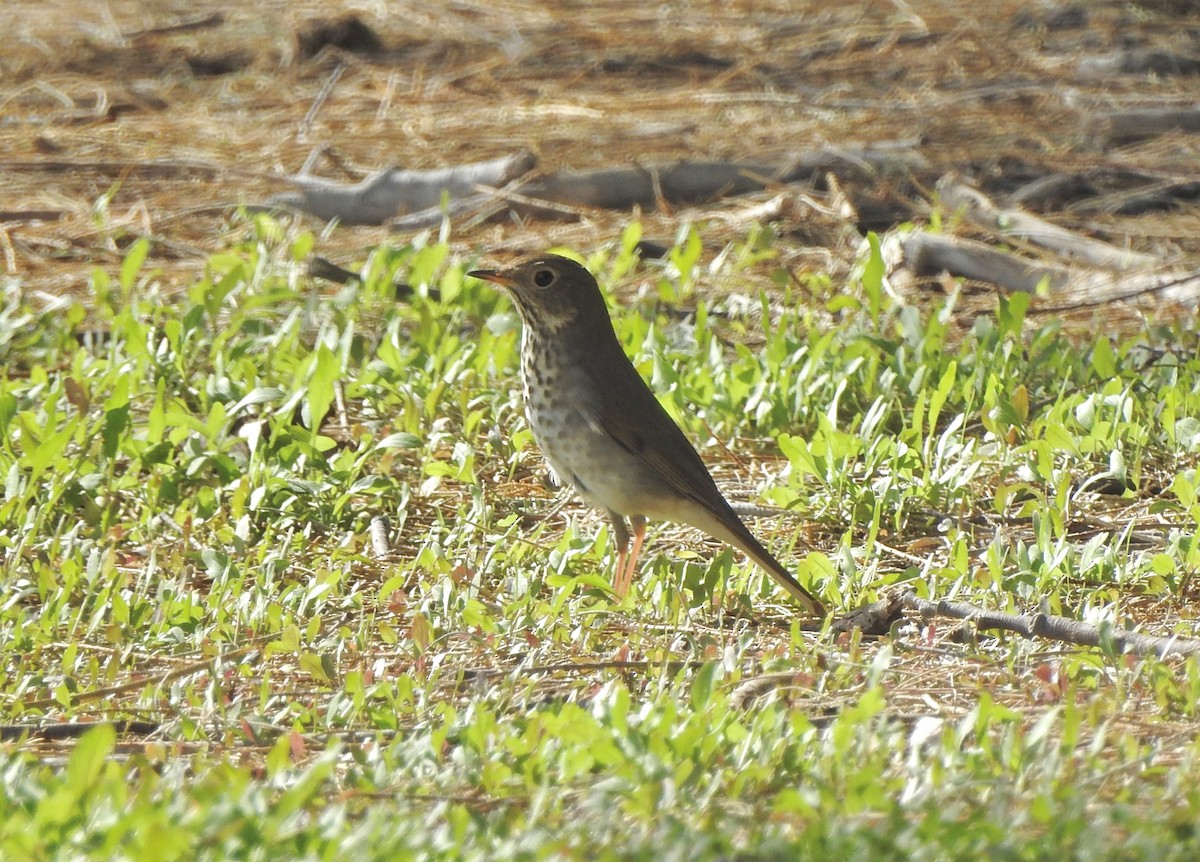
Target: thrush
<point x="601" y="428"/>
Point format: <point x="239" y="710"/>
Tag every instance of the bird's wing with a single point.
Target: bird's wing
<point x="629" y="413"/>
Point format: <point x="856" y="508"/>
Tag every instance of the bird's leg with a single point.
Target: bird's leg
<point x="621" y="540"/>
<point x="625" y="576"/>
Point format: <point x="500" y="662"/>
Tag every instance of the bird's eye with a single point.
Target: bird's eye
<point x="543" y="277"/>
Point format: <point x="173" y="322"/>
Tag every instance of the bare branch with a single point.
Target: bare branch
<point x="1055" y="628"/>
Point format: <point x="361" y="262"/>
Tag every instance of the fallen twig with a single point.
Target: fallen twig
<point x="415" y="199"/>
<point x="204" y="22"/>
<point x="957" y="195"/>
<point x="392" y="192"/>
<point x="921" y="254"/>
<point x="73" y="729"/>
<point x="691" y="182"/>
<point x="322" y="96"/>
<point x="1055" y="628"/>
<point x="926" y="254"/>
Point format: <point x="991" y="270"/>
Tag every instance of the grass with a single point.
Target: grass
<point x="185" y="521"/>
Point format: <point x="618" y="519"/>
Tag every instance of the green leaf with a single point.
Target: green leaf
<point x="132" y="264"/>
<point x="8" y="409"/>
<point x="873" y="272"/>
<point x="1011" y="314"/>
<point x="939" y="396"/>
<point x="302" y="246"/>
<point x="116" y="418"/>
<point x="702" y="685"/>
<point x="325" y="374"/>
<point x="258" y="395"/>
<point x="685" y="255"/>
<point x="799" y="455"/>
<point x="319" y="665"/>
<point x="1104" y="360"/>
<point x="400" y="440"/>
<point x="90" y="754"/>
<point x="1162" y="564"/>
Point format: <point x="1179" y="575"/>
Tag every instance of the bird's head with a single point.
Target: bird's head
<point x="551" y="292"/>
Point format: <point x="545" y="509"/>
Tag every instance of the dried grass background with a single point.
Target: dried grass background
<point x="157" y="117"/>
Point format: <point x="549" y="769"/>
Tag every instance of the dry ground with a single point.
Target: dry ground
<point x="130" y="117"/>
<point x="122" y="118"/>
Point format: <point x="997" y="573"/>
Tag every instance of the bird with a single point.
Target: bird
<point x="600" y="427"/>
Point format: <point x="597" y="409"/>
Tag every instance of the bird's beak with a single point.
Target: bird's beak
<point x="495" y="276"/>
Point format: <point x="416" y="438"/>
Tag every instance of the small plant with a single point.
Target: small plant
<point x="307" y="537"/>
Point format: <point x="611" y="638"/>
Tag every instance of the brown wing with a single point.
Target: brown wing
<point x="634" y="418"/>
<point x="630" y="414"/>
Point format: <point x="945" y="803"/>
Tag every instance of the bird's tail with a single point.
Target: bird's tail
<point x="732" y="531"/>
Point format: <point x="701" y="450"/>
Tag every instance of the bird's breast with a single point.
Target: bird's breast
<point x="560" y="404"/>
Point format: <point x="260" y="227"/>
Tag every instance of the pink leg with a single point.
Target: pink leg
<point x="619" y="569"/>
<point x="621" y="540"/>
<point x="625" y="573"/>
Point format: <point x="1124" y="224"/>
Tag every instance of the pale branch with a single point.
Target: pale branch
<point x="416" y="199"/>
<point x="920" y="254"/>
<point x="1161" y="62"/>
<point x="928" y="254"/>
<point x="958" y="196"/>
<point x="1137" y="191"/>
<point x="395" y="192"/>
<point x="1055" y="628"/>
<point x="452" y="209"/>
<point x="1118" y="128"/>
<point x="692" y="182"/>
<point x="1098" y="288"/>
<point x="377" y="532"/>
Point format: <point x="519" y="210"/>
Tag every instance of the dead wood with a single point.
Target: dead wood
<point x="1115" y="128"/>
<point x="958" y="196"/>
<point x="30" y="215"/>
<point x="1099" y="288"/>
<point x="1053" y="190"/>
<point x="74" y="729"/>
<point x="416" y="199"/>
<point x="1113" y="273"/>
<point x="392" y="192"/>
<point x="476" y="207"/>
<point x="1154" y="196"/>
<point x="1138" y="61"/>
<point x="1056" y="628"/>
<point x="1131" y="191"/>
<point x="928" y="254"/>
<point x="694" y="182"/>
<point x="381" y="546"/>
<point x="922" y="255"/>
